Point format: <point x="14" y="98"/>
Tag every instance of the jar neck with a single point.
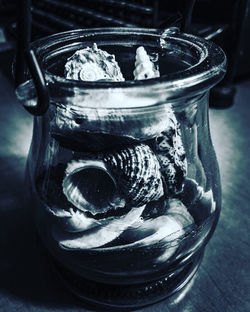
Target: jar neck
<point x="204" y="66"/>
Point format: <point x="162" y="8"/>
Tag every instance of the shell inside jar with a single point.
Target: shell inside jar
<point x="92" y="64"/>
<point x="114" y="196"/>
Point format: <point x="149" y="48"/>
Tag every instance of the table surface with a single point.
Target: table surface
<point x="222" y="283"/>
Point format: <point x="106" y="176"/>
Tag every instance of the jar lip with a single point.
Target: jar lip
<point x="209" y="69"/>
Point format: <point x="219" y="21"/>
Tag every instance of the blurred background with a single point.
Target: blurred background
<point x="226" y="22"/>
<point x="26" y="282"/>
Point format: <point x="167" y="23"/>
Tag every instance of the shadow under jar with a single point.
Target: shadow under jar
<point x="123" y="177"/>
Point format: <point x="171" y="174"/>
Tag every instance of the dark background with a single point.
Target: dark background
<point x="27" y="282"/>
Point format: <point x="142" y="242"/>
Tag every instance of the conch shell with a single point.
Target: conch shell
<point x="90" y="187"/>
<point x="130" y="176"/>
<point x="144" y="67"/>
<point x="92" y="64"/>
<point x="137" y="173"/>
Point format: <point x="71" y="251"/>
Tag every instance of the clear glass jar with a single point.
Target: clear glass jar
<point x="123" y="177"/>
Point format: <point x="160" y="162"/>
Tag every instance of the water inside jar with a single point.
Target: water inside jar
<point x="157" y="207"/>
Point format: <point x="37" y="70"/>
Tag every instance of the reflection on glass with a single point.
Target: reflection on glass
<point x="123" y="175"/>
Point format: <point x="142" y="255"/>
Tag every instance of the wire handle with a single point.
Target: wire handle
<point x="27" y="56"/>
<point x="40" y="86"/>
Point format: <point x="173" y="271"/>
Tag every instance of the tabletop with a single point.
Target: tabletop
<point x="222" y="284"/>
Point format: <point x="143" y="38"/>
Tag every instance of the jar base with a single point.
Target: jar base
<point x="132" y="296"/>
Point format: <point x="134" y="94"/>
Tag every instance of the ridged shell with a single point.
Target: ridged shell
<point x="91" y="64"/>
<point x="90" y="187"/>
<point x="137" y="172"/>
<point x="144" y="67"/>
<point x="171" y="155"/>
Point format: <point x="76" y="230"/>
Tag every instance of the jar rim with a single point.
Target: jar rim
<point x="205" y="73"/>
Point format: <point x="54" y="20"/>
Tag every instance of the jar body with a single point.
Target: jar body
<point x="150" y="242"/>
<point x="125" y="199"/>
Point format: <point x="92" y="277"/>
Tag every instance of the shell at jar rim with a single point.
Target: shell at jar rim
<point x="91" y="64"/>
<point x="206" y="66"/>
<point x="144" y="67"/>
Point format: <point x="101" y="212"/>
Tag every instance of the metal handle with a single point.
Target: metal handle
<point x="40" y="86"/>
<point x="27" y="56"/>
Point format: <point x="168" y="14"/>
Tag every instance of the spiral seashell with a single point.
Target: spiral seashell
<point x="144" y="67"/>
<point x="90" y="187"/>
<point x="137" y="173"/>
<point x="90" y="72"/>
<point x="91" y="64"/>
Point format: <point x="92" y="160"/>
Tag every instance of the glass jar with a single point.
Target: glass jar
<point x="122" y="176"/>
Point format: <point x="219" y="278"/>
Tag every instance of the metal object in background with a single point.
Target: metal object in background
<point x="51" y="16"/>
<point x="26" y="57"/>
<point x="225" y="22"/>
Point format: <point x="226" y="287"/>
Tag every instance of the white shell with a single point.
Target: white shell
<point x="73" y="220"/>
<point x="145" y="125"/>
<point x="91" y="64"/>
<point x="98" y="236"/>
<point x="144" y="67"/>
<point x="164" y="229"/>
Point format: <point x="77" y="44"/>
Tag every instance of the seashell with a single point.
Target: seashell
<point x="201" y="204"/>
<point x="137" y="172"/>
<point x="98" y="236"/>
<point x="87" y="125"/>
<point x="73" y="220"/>
<point x="173" y="174"/>
<point x="91" y="64"/>
<point x="171" y="155"/>
<point x="191" y="193"/>
<point x="144" y="67"/>
<point x="164" y="229"/>
<point x="114" y="118"/>
<point x="179" y="212"/>
<point x="128" y="176"/>
<point x="90" y="72"/>
<point x="90" y="187"/>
